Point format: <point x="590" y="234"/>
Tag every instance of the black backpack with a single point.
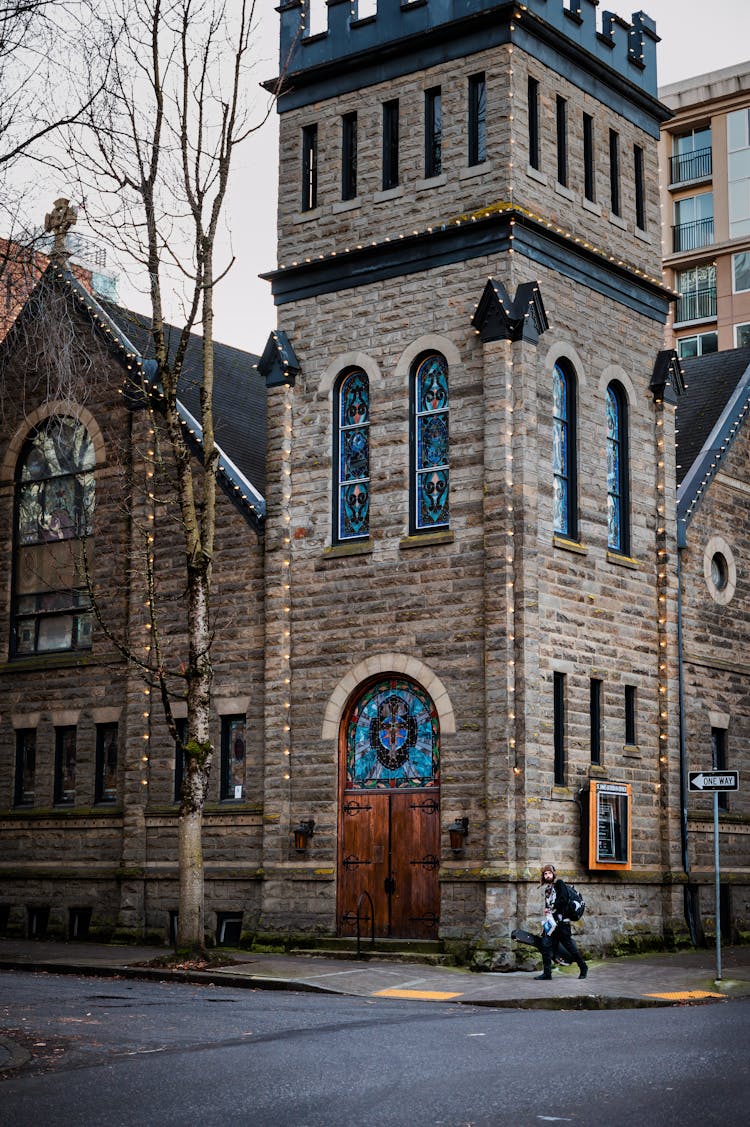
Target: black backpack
<point x="575" y="905"/>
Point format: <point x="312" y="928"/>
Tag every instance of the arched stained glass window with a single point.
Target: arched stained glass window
<point x="54" y="514"/>
<point x="618" y="522"/>
<point x="352" y="484"/>
<point x="431" y="476"/>
<point x="392" y="738"/>
<point x="564" y="450"/>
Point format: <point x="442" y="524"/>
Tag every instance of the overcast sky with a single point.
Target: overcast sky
<point x="696" y="37"/>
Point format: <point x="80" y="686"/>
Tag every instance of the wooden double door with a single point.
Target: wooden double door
<point x="389" y="853"/>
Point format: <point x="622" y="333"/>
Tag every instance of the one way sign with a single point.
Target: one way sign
<point x="713" y="780"/>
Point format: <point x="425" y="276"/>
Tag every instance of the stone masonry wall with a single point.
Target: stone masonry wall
<point x="498" y="605"/>
<point x="418" y="204"/>
<point x="715" y="627"/>
<point x="120" y="859"/>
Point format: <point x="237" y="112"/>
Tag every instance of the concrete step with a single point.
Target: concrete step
<point x="428" y="952"/>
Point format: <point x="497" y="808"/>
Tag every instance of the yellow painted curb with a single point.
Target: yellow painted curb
<point x="686" y="995"/>
<point x="425" y="995"/>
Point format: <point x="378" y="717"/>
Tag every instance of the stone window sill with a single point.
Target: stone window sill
<point x="357" y="548"/>
<point x="475" y="170"/>
<point x="308" y="216"/>
<point x="535" y="174"/>
<point x="570" y="545"/>
<point x="346" y="205"/>
<point x="432" y="182"/>
<point x="623" y="561"/>
<point x="389" y="194"/>
<point x="427" y="539"/>
<point x="617" y="221"/>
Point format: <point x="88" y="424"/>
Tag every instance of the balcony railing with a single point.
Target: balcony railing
<point x="690" y="166"/>
<point x="700" y="305"/>
<point x="691" y="236"/>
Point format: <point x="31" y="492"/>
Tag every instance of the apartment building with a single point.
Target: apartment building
<point x="705" y="189"/>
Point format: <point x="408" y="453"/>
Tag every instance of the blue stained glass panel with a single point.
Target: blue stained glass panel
<point x="353" y="518"/>
<point x="433" y="498"/>
<point x="561" y="451"/>
<point x="432" y="380"/>
<point x="433" y="441"/>
<point x="393" y="739"/>
<point x="432" y="444"/>
<point x="355" y="454"/>
<point x="613" y="521"/>
<point x="559" y="393"/>
<point x="614" y="471"/>
<point x="561" y="504"/>
<point x="355" y="400"/>
<point x="613" y="467"/>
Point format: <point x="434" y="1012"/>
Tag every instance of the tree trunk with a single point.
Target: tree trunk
<point x="199" y="756"/>
<point x="191" y="925"/>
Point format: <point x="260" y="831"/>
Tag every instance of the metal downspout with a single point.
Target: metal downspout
<point x="681" y="694"/>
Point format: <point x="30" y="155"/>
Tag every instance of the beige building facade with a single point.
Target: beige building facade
<point x="705" y="190"/>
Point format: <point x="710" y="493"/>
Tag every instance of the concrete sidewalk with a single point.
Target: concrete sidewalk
<point x="642" y="980"/>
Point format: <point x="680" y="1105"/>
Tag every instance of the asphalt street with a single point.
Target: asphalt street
<point x="86" y="1051"/>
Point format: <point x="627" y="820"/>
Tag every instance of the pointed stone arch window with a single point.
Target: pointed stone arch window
<point x="564" y="453"/>
<point x="53" y="527"/>
<point x="352" y="457"/>
<point x="430" y="486"/>
<point x="618" y="502"/>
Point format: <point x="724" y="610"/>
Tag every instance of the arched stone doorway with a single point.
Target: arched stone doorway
<point x="389" y="809"/>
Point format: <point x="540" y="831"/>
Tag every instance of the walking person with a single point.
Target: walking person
<point x="556" y="933"/>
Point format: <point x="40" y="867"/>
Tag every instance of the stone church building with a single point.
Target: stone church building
<point x="468" y="620"/>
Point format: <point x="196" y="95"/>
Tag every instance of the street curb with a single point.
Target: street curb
<point x="581" y="1002"/>
<point x="159" y="974"/>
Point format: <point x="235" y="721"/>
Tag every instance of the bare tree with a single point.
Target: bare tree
<point x="159" y="152"/>
<point x="37" y="81"/>
<point x="46" y="83"/>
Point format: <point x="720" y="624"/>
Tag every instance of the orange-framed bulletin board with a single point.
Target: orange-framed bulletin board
<point x="607" y="820"/>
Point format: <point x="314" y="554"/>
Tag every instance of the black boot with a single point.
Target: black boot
<point x="583" y="969"/>
<point x="546" y="976"/>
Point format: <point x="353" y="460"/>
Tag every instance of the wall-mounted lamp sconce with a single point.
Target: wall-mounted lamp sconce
<point x="457" y="831"/>
<point x="302" y="834"/>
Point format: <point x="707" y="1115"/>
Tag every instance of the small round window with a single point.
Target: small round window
<point x="719" y="570"/>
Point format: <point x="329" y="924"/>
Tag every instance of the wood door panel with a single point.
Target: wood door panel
<point x="364" y="862"/>
<point x="415" y="861"/>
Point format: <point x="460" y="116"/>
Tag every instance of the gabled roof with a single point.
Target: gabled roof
<point x="709" y="415"/>
<point x="239" y="393"/>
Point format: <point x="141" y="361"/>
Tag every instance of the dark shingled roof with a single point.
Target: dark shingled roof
<point x="709" y="384"/>
<point x="239" y="392"/>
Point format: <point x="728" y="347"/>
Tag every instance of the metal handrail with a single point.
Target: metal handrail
<point x="698" y="305"/>
<point x="690" y="236"/>
<point x="690" y="166"/>
<point x="365" y="896"/>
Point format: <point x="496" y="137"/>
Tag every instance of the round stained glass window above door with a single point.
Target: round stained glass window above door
<point x="392" y="738"/>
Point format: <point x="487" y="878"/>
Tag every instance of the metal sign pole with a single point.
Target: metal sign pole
<point x="718" y="886"/>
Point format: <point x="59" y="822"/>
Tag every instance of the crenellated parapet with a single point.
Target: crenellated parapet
<point x="628" y="47"/>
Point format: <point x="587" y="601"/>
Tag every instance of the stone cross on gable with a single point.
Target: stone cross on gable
<point x="58" y="222"/>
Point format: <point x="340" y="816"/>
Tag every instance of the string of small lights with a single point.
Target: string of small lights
<point x="286" y="579"/>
